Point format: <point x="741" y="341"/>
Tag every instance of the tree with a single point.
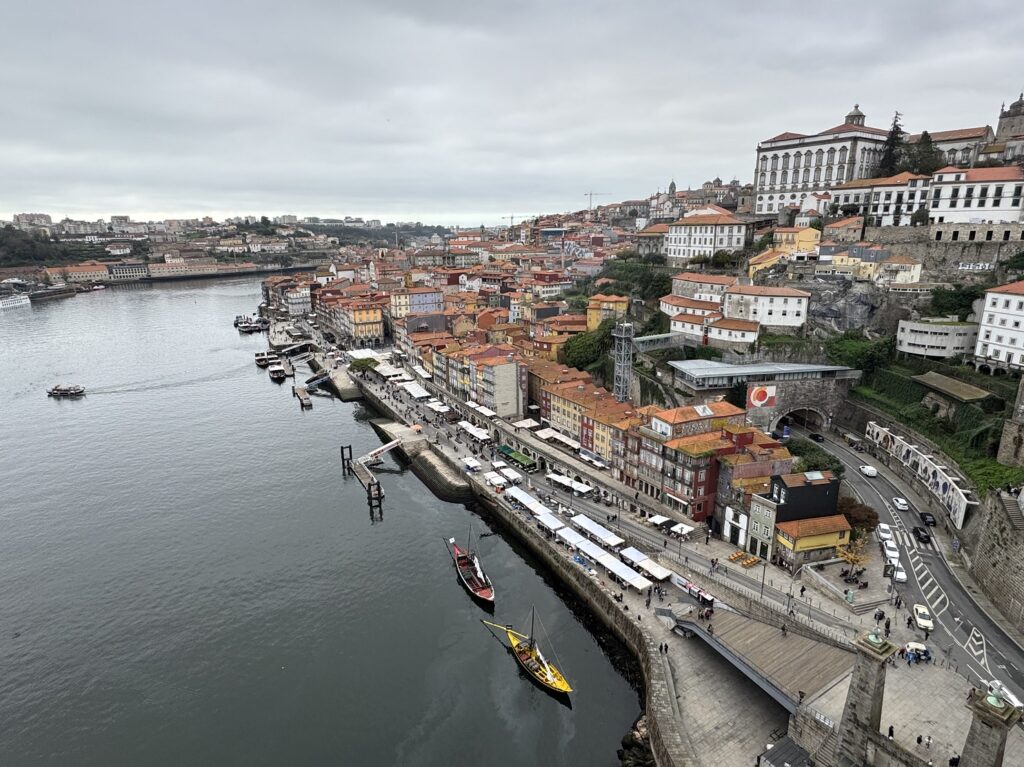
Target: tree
<point x="923" y="156"/>
<point x="859" y="515"/>
<point x="360" y="365"/>
<point x="584" y="349"/>
<point x="813" y="458"/>
<point x="957" y="300"/>
<point x="654" y="258"/>
<point x="892" y="151"/>
<point x="850" y="209"/>
<point x="833" y="208"/>
<point x="765" y="242"/>
<point x="577" y="304"/>
<point x="919" y="217"/>
<point x="817" y="224"/>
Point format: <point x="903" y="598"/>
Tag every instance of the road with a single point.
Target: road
<point x="964" y="631"/>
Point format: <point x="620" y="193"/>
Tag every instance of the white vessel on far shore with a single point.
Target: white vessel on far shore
<point x="14" y="300"/>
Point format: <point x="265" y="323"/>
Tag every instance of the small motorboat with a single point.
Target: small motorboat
<point x="263" y="359"/>
<point x="64" y="391"/>
<point x="276" y="372"/>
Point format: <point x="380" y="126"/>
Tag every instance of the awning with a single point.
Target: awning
<point x="486" y="412"/>
<point x="550" y="521"/>
<point x="512" y="475"/>
<point x="472" y="463"/>
<point x="421" y="372"/>
<point x="519" y="496"/>
<point x="471" y="405"/>
<point x="625" y="573"/>
<point x="570" y="536"/>
<point x="475" y="432"/>
<point x="633" y="555"/>
<point x="437" y="407"/>
<point x="494" y="478"/>
<point x="682" y="529"/>
<point x="416" y="391"/>
<point x="655" y="570"/>
<point x="576" y="487"/>
<point x="596" y="531"/>
<point x="545" y="434"/>
<point x="526" y="423"/>
<point x="678" y="500"/>
<point x="591" y="549"/>
<point x="658" y="519"/>
<point x="499" y="464"/>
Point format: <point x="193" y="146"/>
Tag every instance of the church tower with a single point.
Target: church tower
<point x="855" y="117"/>
<point x="1011" y="120"/>
<point x="672" y="188"/>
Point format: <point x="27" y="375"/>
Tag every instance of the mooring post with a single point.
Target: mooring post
<point x="346" y="459"/>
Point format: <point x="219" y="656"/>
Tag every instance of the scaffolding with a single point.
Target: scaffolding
<point x="623" y="335"/>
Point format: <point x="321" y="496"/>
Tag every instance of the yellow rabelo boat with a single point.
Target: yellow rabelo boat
<point x="532" y="661"/>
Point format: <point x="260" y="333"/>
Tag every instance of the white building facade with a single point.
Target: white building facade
<point x="1001" y="330"/>
<point x="704" y="235"/>
<point x="769" y="306"/>
<point x="791" y="167"/>
<point x="977" y="195"/>
<point x="936" y="337"/>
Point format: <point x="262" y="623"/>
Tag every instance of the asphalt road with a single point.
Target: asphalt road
<point x="964" y="632"/>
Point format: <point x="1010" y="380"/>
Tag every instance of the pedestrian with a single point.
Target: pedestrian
<point x="910" y="622"/>
<point x="920" y="740"/>
<point x="887" y="627"/>
<point x="802" y="590"/>
<point x="928" y="742"/>
<point x="783" y="629"/>
<point x="664" y="544"/>
<point x="892" y="731"/>
<point x="926" y="632"/>
<point x="686" y="560"/>
<point x="886" y="632"/>
<point x="970" y="695"/>
<point x="711" y="630"/>
<point x="707" y="539"/>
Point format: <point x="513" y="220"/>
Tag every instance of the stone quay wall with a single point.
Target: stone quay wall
<point x="670" y="746"/>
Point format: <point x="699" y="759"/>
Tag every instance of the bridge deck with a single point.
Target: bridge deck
<point x="790" y="663"/>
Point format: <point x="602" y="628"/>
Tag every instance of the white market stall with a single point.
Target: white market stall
<point x="638" y="559"/>
<point x="596" y="531"/>
<point x="550" y="522"/>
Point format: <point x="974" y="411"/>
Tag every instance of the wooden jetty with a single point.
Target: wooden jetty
<point x="305" y="401"/>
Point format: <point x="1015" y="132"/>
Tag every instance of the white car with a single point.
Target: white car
<point x="923" y="618"/>
<point x="883" y="531"/>
<point x="891" y="550"/>
<point x="900" y="504"/>
<point x="900" y="575"/>
<point x="869" y="471"/>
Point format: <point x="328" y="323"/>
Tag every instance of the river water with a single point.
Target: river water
<point x="187" y="578"/>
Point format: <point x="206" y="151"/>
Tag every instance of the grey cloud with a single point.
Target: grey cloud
<point x="456" y="111"/>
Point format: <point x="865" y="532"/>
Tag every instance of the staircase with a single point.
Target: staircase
<point x="1012" y="505"/>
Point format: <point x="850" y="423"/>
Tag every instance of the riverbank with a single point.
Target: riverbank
<point x="669" y="745"/>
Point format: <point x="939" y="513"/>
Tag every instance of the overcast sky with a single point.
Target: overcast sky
<point x="457" y="112"/>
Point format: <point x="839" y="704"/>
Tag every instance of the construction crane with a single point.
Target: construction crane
<point x="592" y="195"/>
<point x="511" y="219"/>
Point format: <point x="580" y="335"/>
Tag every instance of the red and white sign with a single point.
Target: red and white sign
<point x="761" y="396"/>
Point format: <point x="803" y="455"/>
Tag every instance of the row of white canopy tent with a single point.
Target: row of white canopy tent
<point x="645" y="563"/>
<point x="527" y="501"/>
<point x="475" y="432"/>
<point x="421" y="372"/>
<point x="495" y="479"/>
<point x="486" y="412"/>
<point x="416" y="391"/>
<point x="577" y="487"/>
<point x="596" y="531"/>
<point x="438" y="407"/>
<point x="613" y="564"/>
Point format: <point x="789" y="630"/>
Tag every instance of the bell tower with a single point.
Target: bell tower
<point x="855" y="117"/>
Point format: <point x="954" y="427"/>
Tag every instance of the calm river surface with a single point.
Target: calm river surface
<point x="188" y="579"/>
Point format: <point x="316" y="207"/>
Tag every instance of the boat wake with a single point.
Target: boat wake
<point x="159" y="385"/>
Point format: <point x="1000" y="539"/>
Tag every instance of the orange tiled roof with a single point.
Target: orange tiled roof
<point x="804" y="528"/>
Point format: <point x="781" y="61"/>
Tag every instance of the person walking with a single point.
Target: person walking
<point x="892" y="731"/>
<point x="928" y="742"/>
<point x="802" y="590"/>
<point x="783" y="629"/>
<point x="920" y="739"/>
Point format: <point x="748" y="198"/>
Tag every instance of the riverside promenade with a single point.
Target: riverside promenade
<point x="694" y="695"/>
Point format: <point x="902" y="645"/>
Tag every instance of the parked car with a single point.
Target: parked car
<point x="869" y="471"/>
<point x="900" y="504"/>
<point x="923" y="618"/>
<point x="900" y="575"/>
<point x="928" y="518"/>
<point x="922" y="535"/>
<point x="816" y="437"/>
<point x="891" y="550"/>
<point x="883" y="531"/>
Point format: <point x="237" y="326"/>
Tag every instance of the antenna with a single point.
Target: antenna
<point x="592" y="195"/>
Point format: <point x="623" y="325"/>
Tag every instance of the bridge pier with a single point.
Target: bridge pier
<point x="862" y="715"/>
<point x="992" y="719"/>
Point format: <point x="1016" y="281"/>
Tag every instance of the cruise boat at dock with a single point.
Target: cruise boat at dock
<point x="276" y="371"/>
<point x="14" y="300"/>
<point x="263" y="359"/>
